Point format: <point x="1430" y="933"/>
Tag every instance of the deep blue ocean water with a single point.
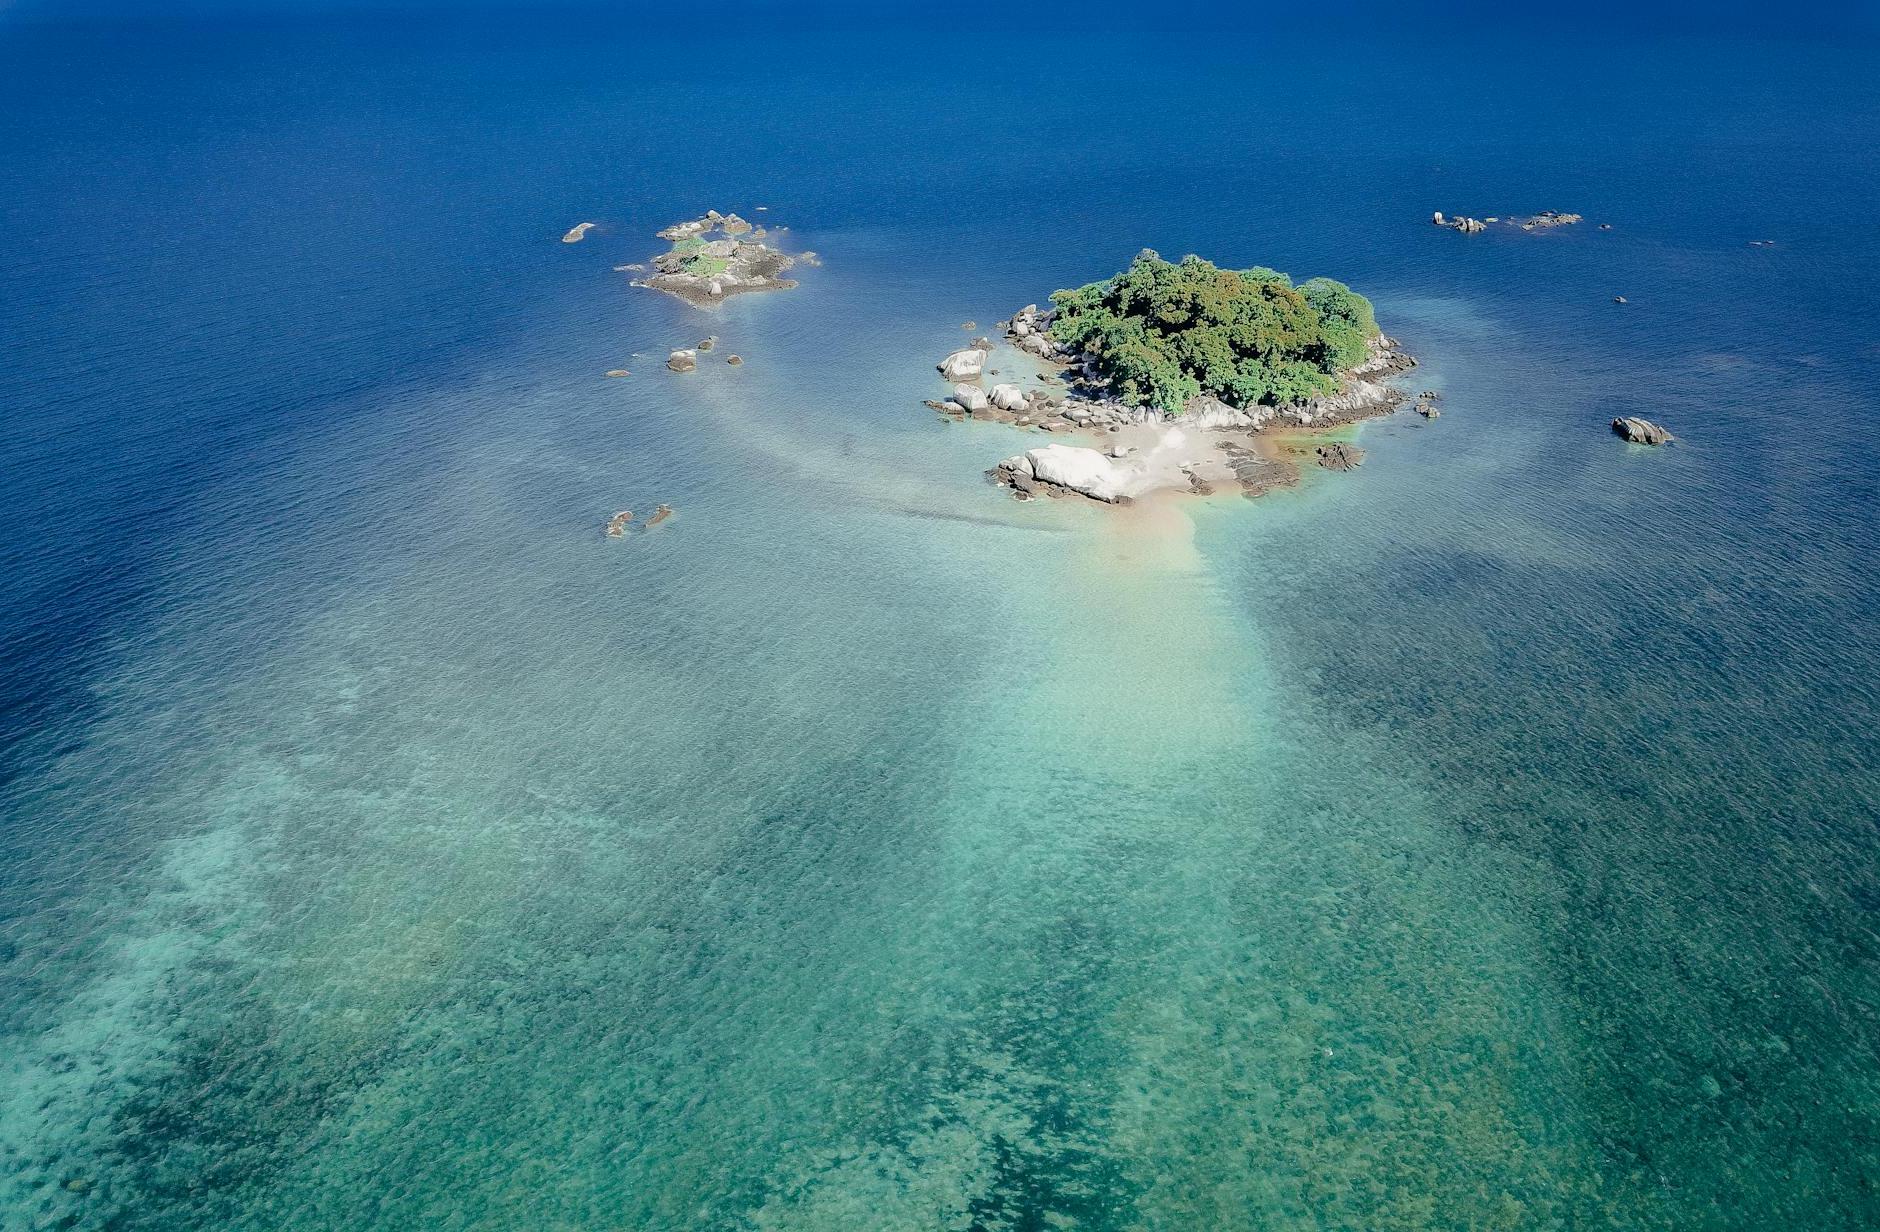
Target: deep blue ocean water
<point x="1486" y="839"/>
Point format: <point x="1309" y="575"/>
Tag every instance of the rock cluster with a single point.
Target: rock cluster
<point x="1426" y="404"/>
<point x="683" y="361"/>
<point x="1535" y="222"/>
<point x="1641" y="431"/>
<point x="1030" y="330"/>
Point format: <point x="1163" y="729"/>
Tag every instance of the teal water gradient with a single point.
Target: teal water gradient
<point x="1482" y="840"/>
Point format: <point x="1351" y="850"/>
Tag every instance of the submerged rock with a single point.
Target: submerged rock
<point x="1641" y="431"/>
<point x="1339" y="456"/>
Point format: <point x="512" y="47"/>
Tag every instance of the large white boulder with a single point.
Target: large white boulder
<point x="963" y="365"/>
<point x="1008" y="397"/>
<point x="1084" y="470"/>
<point x="971" y="397"/>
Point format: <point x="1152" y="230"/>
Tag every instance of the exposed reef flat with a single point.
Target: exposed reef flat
<point x="714" y="257"/>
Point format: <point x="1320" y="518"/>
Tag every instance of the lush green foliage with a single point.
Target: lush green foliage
<point x="1164" y="332"/>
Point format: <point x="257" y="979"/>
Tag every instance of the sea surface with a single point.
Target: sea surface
<point x="1486" y="839"/>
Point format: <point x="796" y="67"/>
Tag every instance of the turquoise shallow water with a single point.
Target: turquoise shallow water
<point x="1483" y="840"/>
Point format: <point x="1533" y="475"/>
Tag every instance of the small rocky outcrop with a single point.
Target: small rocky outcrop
<point x="704" y="271"/>
<point x="1426" y="404"/>
<point x="734" y="360"/>
<point x="1075" y="469"/>
<point x="1547" y="218"/>
<point x="683" y="361"/>
<point x="617" y="372"/>
<point x="659" y="515"/>
<point x="577" y="233"/>
<point x="1641" y="431"/>
<point x="1339" y="456"/>
<point x="617" y="525"/>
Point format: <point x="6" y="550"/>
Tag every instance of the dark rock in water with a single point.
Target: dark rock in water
<point x="1641" y="431"/>
<point x="1257" y="475"/>
<point x="1339" y="456"/>
<point x="659" y="515"/>
<point x="1428" y="411"/>
<point x="706" y="344"/>
<point x="1618" y="299"/>
<point x="734" y="360"/>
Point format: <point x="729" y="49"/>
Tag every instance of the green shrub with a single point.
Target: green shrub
<point x="1164" y="332"/>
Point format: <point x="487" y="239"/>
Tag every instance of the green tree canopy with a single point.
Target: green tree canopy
<point x="1164" y="332"/>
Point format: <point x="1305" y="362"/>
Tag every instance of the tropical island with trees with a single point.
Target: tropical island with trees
<point x="1165" y="351"/>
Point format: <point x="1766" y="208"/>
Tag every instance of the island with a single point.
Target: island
<point x="1189" y="372"/>
<point x="716" y="256"/>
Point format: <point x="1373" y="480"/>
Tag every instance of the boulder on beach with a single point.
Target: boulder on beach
<point x="682" y="361"/>
<point x="971" y="397"/>
<point x="1641" y="431"/>
<point x="963" y="365"/>
<point x="1082" y="470"/>
<point x="1008" y="397"/>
